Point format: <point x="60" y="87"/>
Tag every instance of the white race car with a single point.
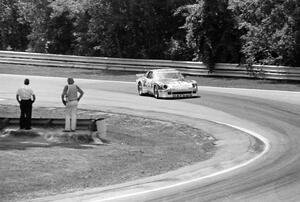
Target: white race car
<point x="165" y="83"/>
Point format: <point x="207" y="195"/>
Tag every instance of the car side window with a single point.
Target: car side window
<point x="150" y="75"/>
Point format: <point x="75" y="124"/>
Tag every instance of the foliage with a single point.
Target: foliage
<point x="13" y="33"/>
<point x="114" y="28"/>
<point x="36" y="13"/>
<point x="259" y="32"/>
<point x="296" y="17"/>
<point x="52" y="24"/>
<point x="179" y="50"/>
<point x="64" y="26"/>
<point x="135" y="29"/>
<point x="212" y="32"/>
<point x="270" y="28"/>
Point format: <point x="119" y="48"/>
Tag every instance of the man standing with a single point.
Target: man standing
<point x="70" y="99"/>
<point x="25" y="97"/>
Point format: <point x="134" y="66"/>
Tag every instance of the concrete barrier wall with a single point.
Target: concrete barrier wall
<point x="142" y="65"/>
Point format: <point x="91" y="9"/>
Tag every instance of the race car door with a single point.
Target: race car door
<point x="149" y="81"/>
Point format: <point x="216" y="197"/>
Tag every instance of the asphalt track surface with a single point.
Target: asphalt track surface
<point x="273" y="116"/>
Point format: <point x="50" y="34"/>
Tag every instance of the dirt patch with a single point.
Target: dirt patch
<point x="136" y="147"/>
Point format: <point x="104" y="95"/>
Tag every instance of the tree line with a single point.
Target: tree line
<point x="212" y="31"/>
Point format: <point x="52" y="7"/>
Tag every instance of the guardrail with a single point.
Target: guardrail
<point x="142" y="65"/>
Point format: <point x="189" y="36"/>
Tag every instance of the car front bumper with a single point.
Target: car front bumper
<point x="178" y="93"/>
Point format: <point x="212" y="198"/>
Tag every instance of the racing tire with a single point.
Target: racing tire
<point x="155" y="92"/>
<point x="140" y="89"/>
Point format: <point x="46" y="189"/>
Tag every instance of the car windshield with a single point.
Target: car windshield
<point x="169" y="75"/>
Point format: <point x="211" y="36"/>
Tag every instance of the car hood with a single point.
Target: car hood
<point x="176" y="83"/>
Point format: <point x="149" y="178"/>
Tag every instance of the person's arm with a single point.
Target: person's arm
<point x="80" y="93"/>
<point x="33" y="98"/>
<point x="18" y="98"/>
<point x="63" y="95"/>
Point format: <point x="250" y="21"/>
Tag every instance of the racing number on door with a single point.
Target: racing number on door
<point x="148" y="82"/>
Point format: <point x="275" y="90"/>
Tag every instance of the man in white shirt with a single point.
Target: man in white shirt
<point x="70" y="99"/>
<point x="25" y="97"/>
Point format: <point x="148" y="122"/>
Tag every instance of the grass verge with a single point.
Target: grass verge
<point x="138" y="147"/>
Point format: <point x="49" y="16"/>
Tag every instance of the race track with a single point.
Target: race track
<point x="274" y="115"/>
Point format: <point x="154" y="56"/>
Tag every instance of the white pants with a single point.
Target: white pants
<point x="71" y="115"/>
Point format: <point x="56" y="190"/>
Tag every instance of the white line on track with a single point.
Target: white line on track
<point x="266" y="149"/>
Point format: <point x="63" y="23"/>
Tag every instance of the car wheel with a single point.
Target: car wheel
<point x="140" y="89"/>
<point x="155" y="92"/>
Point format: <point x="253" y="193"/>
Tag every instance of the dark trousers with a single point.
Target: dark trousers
<point x="25" y="118"/>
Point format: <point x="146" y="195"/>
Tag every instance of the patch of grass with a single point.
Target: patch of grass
<point x="138" y="147"/>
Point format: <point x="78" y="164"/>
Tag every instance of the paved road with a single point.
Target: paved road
<point x="275" y="176"/>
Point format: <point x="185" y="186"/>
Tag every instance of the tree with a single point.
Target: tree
<point x="212" y="32"/>
<point x="270" y="30"/>
<point x="62" y="35"/>
<point x="37" y="14"/>
<point x="53" y="24"/>
<point x="13" y="32"/>
<point x="133" y="29"/>
<point x="296" y="17"/>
